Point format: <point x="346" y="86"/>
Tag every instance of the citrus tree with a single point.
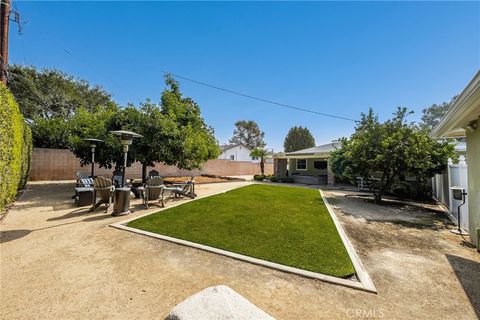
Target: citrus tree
<point x="173" y="132"/>
<point x="389" y="151"/>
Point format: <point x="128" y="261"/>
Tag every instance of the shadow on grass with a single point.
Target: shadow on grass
<point x="468" y="273"/>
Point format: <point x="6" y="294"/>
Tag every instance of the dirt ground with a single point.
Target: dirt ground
<point x="61" y="262"/>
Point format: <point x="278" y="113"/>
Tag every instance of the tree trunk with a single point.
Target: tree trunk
<point x="380" y="190"/>
<point x="385" y="183"/>
<point x="262" y="166"/>
<point x="144" y="172"/>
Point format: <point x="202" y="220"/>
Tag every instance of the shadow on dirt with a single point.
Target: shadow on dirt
<point x="468" y="273"/>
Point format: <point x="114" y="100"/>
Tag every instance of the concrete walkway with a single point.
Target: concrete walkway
<point x="60" y="262"/>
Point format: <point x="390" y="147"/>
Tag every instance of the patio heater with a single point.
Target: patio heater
<point x="93" y="145"/>
<point x="121" y="205"/>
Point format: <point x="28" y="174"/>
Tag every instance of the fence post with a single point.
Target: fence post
<point x="450" y="202"/>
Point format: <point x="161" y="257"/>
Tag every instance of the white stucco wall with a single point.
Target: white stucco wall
<point x="239" y="153"/>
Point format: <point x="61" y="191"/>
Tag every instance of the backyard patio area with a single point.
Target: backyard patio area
<point x="59" y="261"/>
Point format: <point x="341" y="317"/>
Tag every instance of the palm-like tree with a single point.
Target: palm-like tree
<point x="262" y="154"/>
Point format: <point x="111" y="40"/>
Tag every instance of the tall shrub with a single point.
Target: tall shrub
<point x="15" y="148"/>
<point x="26" y="155"/>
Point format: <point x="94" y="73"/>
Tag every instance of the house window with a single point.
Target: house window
<point x="320" y="164"/>
<point x="232" y="157"/>
<point x="254" y="158"/>
<point x="301" y="164"/>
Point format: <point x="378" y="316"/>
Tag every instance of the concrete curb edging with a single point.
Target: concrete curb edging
<point x="360" y="270"/>
<point x="364" y="284"/>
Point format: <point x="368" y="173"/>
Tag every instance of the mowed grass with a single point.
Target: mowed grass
<point x="286" y="225"/>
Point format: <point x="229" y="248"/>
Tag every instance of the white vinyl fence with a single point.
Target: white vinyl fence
<point x="455" y="175"/>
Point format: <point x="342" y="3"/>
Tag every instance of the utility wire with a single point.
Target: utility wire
<point x="259" y="99"/>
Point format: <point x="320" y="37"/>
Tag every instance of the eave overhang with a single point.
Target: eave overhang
<point x="463" y="113"/>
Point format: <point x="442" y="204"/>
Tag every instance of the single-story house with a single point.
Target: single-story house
<point x="463" y="120"/>
<point x="311" y="165"/>
<point x="236" y="152"/>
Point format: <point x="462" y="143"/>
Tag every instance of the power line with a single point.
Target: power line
<point x="259" y="99"/>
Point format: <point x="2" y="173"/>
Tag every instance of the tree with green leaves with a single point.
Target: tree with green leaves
<point x="50" y="93"/>
<point x="192" y="141"/>
<point x="432" y="115"/>
<point x="426" y="157"/>
<point x="173" y="133"/>
<point x="389" y="150"/>
<point x="298" y="138"/>
<point x="96" y="124"/>
<point x="248" y="133"/>
<point x="260" y="153"/>
<point x="49" y="98"/>
<point x="50" y="133"/>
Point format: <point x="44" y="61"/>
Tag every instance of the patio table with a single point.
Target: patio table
<point x="137" y="188"/>
<point x="83" y="196"/>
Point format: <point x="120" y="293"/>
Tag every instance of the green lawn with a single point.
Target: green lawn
<point x="286" y="225"/>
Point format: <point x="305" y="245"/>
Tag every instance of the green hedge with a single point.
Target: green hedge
<point x="26" y="155"/>
<point x="259" y="177"/>
<point x="15" y="148"/>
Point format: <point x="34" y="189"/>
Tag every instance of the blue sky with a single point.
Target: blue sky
<point x="339" y="58"/>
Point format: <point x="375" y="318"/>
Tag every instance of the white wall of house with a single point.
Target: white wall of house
<point x="237" y="153"/>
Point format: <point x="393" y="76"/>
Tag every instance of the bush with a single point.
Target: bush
<point x="287" y="179"/>
<point x="259" y="177"/>
<point x="26" y="155"/>
<point x="402" y="189"/>
<point x="280" y="179"/>
<point x="275" y="179"/>
<point x="15" y="148"/>
<point x="410" y="190"/>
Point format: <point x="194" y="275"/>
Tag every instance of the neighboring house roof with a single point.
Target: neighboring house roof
<point x="226" y="147"/>
<point x="460" y="146"/>
<point x="463" y="112"/>
<point x="321" y="150"/>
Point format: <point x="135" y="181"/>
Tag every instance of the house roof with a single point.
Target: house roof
<point x="318" y="150"/>
<point x="464" y="110"/>
<point x="460" y="146"/>
<point x="225" y="147"/>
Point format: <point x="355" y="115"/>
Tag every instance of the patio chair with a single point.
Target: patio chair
<point x="186" y="189"/>
<point x="104" y="189"/>
<point x="154" y="190"/>
<point x="84" y="180"/>
<point x="117" y="178"/>
<point x="153" y="173"/>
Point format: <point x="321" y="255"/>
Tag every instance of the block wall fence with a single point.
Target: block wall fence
<point x="61" y="164"/>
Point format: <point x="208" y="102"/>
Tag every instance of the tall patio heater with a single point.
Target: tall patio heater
<point x="93" y="145"/>
<point x="121" y="205"/>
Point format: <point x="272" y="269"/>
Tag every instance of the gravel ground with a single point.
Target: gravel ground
<point x="60" y="262"/>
